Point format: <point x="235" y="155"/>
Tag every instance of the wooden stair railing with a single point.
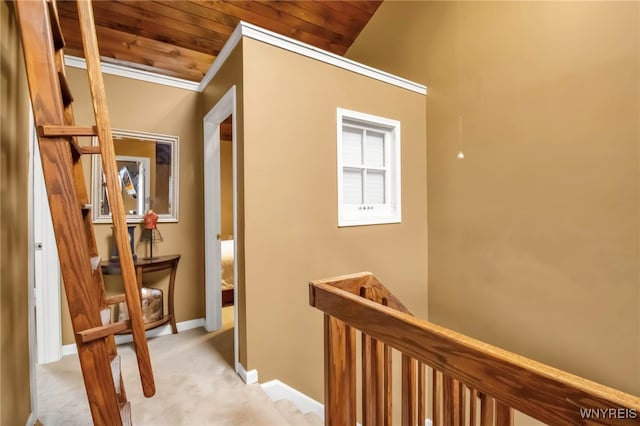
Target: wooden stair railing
<point x="51" y="99"/>
<point x="471" y="382"/>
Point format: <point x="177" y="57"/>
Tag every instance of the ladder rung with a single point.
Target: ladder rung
<point x="112" y="300"/>
<point x="67" y="97"/>
<point x="88" y="149"/>
<point x="96" y="333"/>
<point x="50" y="131"/>
<point x="56" y="29"/>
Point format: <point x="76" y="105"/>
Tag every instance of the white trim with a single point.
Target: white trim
<point x="266" y="36"/>
<point x="226" y="50"/>
<point x="31" y="420"/>
<point x="365" y="213"/>
<point x="156" y="332"/>
<point x="249" y="377"/>
<point x="277" y="390"/>
<point x="213" y="297"/>
<point x="31" y="302"/>
<point x="245" y="29"/>
<point x="128" y="72"/>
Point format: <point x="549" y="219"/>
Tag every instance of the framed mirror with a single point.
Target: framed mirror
<point x="148" y="169"/>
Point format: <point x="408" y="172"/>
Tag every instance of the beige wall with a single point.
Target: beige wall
<point x="229" y="75"/>
<point x="15" y="404"/>
<point x="291" y="206"/>
<point x="148" y="107"/>
<point x="534" y="236"/>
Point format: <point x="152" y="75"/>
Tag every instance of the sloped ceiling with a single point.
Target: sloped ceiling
<point x="182" y="38"/>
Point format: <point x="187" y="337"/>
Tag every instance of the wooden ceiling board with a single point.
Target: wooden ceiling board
<point x="182" y="38"/>
<point x="151" y="54"/>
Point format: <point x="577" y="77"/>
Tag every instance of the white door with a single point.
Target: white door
<point x="46" y="271"/>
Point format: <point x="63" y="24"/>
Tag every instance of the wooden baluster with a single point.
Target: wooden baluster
<point x="372" y="381"/>
<point x="436" y="396"/>
<point x="421" y="394"/>
<point x="388" y="391"/>
<point x="473" y="402"/>
<point x="486" y="410"/>
<point x="408" y="391"/>
<point x="339" y="373"/>
<point x="504" y="414"/>
<point x="451" y="401"/>
<point x="462" y="402"/>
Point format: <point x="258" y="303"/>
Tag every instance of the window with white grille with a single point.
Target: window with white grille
<point x="368" y="169"/>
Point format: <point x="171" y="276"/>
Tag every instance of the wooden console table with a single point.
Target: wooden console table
<point x="150" y="265"/>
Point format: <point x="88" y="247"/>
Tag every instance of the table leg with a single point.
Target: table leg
<point x="172" y="281"/>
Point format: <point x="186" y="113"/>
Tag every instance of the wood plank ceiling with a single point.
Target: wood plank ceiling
<point x="182" y="38"/>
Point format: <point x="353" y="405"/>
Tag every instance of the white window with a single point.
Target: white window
<point x="368" y="169"/>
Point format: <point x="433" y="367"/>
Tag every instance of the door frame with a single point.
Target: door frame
<point x="225" y="107"/>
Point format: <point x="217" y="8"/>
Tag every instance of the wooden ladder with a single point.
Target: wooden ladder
<point x="42" y="43"/>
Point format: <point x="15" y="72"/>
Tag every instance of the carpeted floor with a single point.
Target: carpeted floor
<point x="195" y="383"/>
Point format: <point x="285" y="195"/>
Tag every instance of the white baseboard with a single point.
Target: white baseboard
<point x="278" y="390"/>
<point x="249" y="377"/>
<point x="31" y="421"/>
<point x="160" y="331"/>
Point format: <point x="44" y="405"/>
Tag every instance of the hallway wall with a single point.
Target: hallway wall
<point x="534" y="237"/>
<point x="15" y="405"/>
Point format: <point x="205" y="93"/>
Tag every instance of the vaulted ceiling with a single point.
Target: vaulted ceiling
<point x="182" y="38"/>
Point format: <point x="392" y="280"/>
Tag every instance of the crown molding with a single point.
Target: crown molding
<point x="244" y="29"/>
<point x="136" y="74"/>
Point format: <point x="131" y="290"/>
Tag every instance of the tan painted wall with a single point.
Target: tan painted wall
<point x="291" y="206"/>
<point x="229" y="75"/>
<point x="15" y="404"/>
<point x="148" y="107"/>
<point x="534" y="236"/>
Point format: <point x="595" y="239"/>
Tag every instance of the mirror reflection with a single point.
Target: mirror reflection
<point x="147" y="165"/>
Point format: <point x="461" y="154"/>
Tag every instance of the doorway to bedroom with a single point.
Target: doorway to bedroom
<point x="220" y="217"/>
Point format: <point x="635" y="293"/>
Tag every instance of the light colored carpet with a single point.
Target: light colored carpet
<point x="195" y="384"/>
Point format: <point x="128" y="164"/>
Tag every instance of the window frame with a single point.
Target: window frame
<point x="370" y="213"/>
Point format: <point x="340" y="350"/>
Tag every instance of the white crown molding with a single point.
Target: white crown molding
<point x="245" y="29"/>
<point x="125" y="71"/>
<point x="226" y="50"/>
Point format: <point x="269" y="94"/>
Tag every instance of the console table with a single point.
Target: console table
<point x="150" y="265"/>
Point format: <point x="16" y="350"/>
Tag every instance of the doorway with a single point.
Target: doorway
<point x="220" y="206"/>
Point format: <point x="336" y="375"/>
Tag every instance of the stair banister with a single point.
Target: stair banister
<point x="498" y="380"/>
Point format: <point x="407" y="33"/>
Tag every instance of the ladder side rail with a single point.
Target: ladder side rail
<point x="105" y="137"/>
<point x="66" y="215"/>
<point x="98" y="289"/>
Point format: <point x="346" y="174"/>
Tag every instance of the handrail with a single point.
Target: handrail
<point x="540" y="391"/>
